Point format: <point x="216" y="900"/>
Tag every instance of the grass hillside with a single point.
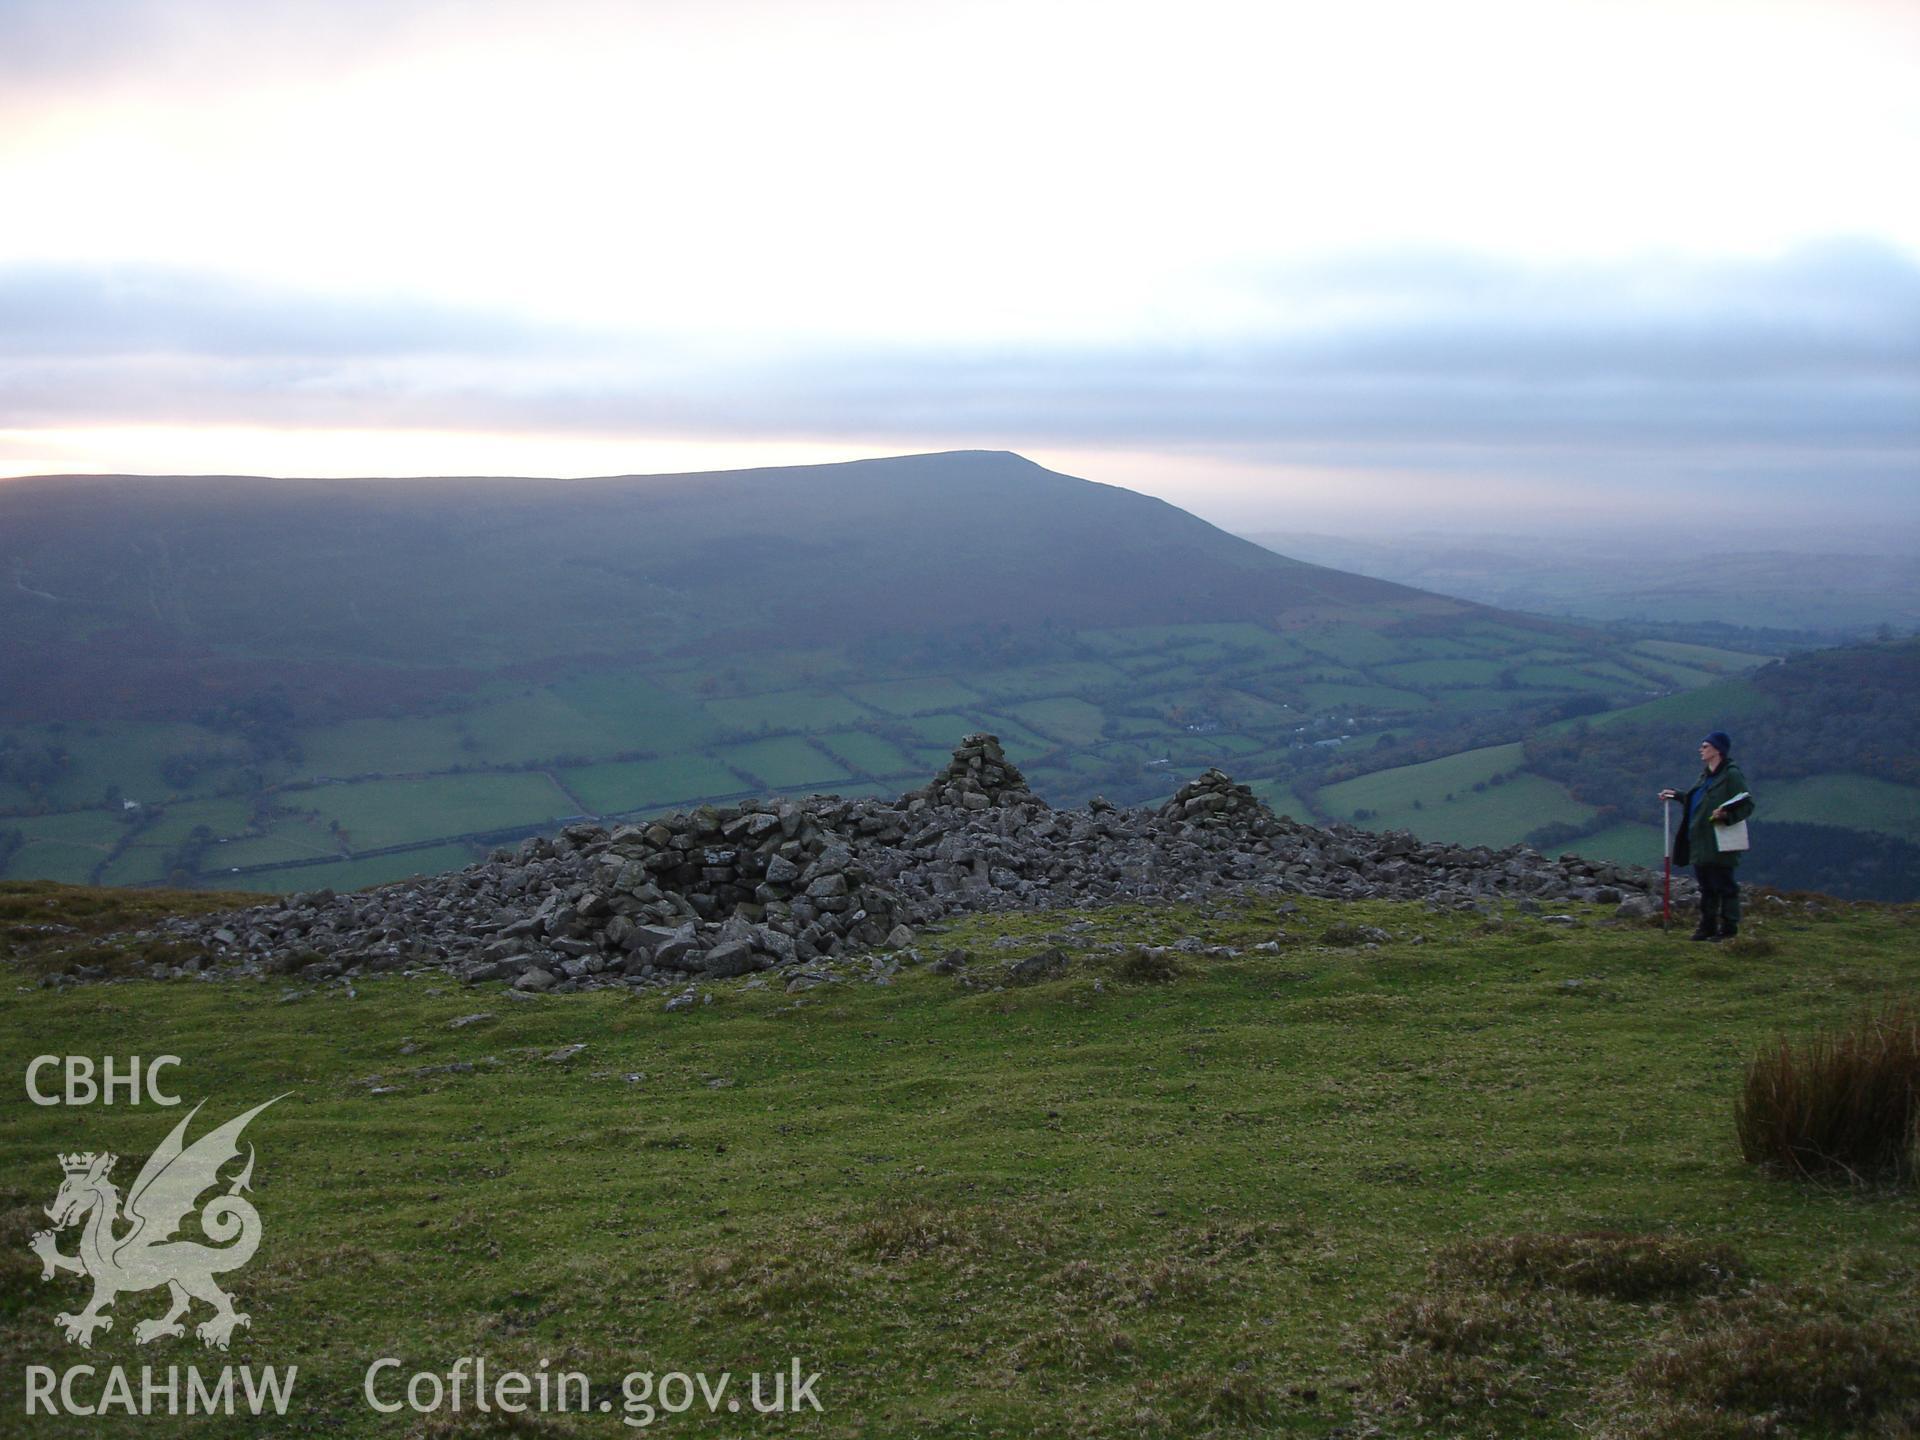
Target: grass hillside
<point x="180" y="590"/>
<point x="1332" y="1182"/>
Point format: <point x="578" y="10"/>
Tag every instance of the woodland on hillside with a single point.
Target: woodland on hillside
<point x="1850" y="711"/>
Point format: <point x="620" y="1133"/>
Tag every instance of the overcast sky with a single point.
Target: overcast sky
<point x="1330" y="266"/>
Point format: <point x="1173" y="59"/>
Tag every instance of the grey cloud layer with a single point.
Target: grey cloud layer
<point x="57" y="46"/>
<point x="1817" y="352"/>
<point x="105" y="313"/>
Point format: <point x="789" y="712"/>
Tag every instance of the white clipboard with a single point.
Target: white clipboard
<point x="1728" y="838"/>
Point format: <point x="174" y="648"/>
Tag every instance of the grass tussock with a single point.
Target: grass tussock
<point x="829" y="1260"/>
<point x="1844" y="1103"/>
<point x="1510" y="1327"/>
<point x="1238" y="1396"/>
<point x="1146" y="965"/>
<point x="1602" y="1263"/>
<point x="914" y="1232"/>
<point x="466" y="1425"/>
<point x="1218" y="1244"/>
<point x="1092" y="1345"/>
<point x="1464" y="1360"/>
<point x="50" y="929"/>
<point x="1464" y="1322"/>
<point x="762" y="1282"/>
<point x="1135" y="1284"/>
<point x="1763" y="1366"/>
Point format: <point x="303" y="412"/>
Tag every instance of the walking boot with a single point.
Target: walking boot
<point x="1729" y="917"/>
<point x="1709" y="926"/>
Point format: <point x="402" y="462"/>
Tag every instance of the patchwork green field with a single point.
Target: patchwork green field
<point x="1074" y="722"/>
<point x="400" y="812"/>
<point x="805" y="710"/>
<point x="1859" y="802"/>
<point x="1331" y="1188"/>
<point x="358" y="874"/>
<point x="782" y="764"/>
<point x="869" y="754"/>
<point x="639" y="784"/>
<point x="1703" y="657"/>
<point x="1479" y="797"/>
<point x="1451" y="673"/>
<point x="916" y="697"/>
<point x="1126" y="712"/>
<point x="1727" y="703"/>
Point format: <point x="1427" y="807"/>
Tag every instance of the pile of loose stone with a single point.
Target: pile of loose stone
<point x="979" y="777"/>
<point x="790" y="884"/>
<point x="1214" y="799"/>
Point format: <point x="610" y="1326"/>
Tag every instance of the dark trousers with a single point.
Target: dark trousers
<point x="1719" y="897"/>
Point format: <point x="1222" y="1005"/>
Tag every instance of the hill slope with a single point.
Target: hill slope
<point x="173" y="592"/>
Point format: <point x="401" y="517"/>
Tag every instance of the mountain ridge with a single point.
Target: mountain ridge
<point x="208" y="580"/>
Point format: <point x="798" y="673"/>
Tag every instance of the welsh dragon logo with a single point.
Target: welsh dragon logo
<point x="135" y="1250"/>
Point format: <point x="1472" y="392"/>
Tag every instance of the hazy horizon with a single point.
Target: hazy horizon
<point x="1267" y="519"/>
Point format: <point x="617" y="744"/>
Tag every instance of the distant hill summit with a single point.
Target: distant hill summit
<point x="170" y="592"/>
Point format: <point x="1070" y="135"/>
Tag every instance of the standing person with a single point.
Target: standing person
<point x="1718" y="798"/>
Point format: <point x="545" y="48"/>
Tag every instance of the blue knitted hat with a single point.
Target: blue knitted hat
<point x="1720" y="741"/>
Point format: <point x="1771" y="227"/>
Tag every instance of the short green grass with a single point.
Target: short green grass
<point x="1074" y="721"/>
<point x="544" y="724"/>
<point x="1462" y="671"/>
<point x="222" y="814"/>
<point x="1726" y="704"/>
<point x="642" y="784"/>
<point x="1472" y="702"/>
<point x="383" y="746"/>
<point x="1491" y="815"/>
<point x="805" y="710"/>
<point x="63" y="847"/>
<point x="1167" y="1198"/>
<point x="124" y="753"/>
<point x="1709" y="657"/>
<point x="783" y="763"/>
<point x="355" y="874"/>
<point x="1341" y="697"/>
<point x="645" y="714"/>
<point x="1063" y="677"/>
<point x="1282" y="799"/>
<point x="1359" y="645"/>
<point x="1567" y="677"/>
<point x="1626" y="844"/>
<point x="377" y="813"/>
<point x="1859" y="802"/>
<point x="913" y="697"/>
<point x="868" y="754"/>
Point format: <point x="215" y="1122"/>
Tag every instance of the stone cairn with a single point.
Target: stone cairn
<point x="979" y="777"/>
<point x="792" y="884"/>
<point x="1214" y="799"/>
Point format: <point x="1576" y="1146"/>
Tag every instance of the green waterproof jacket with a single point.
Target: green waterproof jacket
<point x="1695" y="843"/>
